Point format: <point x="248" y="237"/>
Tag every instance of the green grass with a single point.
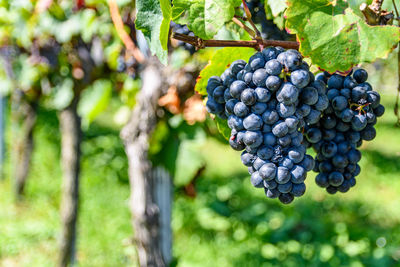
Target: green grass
<point x="229" y="223"/>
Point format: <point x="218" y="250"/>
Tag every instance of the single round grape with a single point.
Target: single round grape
<point x="247" y="158"/>
<point x="248" y="97"/>
<point x="286" y="198"/>
<point x="298" y="189"/>
<point x="256" y="180"/>
<point x="287" y="94"/>
<point x="268" y="171"/>
<point x="360" y="75"/>
<point x="259" y="77"/>
<point x="285" y="188"/>
<point x="273" y="67"/>
<point x="236" y="88"/>
<point x="335" y="178"/>
<point x="240" y="109"/>
<point x="273" y="83"/>
<point x="300" y="78"/>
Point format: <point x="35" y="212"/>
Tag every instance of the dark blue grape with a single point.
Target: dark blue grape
<point x="236" y="88"/>
<point x="286" y="198"/>
<point x="313" y="135"/>
<point x="259" y="77"/>
<point x="358" y="122"/>
<point x="309" y="96"/>
<point x="248" y="97"/>
<point x="287" y="94"/>
<point x="369" y="133"/>
<point x="268" y="171"/>
<point x="253" y="122"/>
<point x="256" y="180"/>
<point x="247" y="158"/>
<point x="360" y="75"/>
<point x="339" y="103"/>
<point x="270" y="139"/>
<point x="270" y="117"/>
<point x="300" y="78"/>
<point x="335" y="178"/>
<point x="262" y="94"/>
<point x="285" y="188"/>
<point x="273" y="67"/>
<point x="273" y="83"/>
<point x="336" y="81"/>
<point x="298" y="189"/>
<point x="259" y="108"/>
<point x="280" y="129"/>
<point x="240" y="109"/>
<point x="253" y="139"/>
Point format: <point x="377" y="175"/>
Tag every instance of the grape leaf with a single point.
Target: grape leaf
<point x="277" y="6"/>
<point x="334" y="37"/>
<point x="95" y="100"/>
<point x="204" y="17"/>
<point x="222" y="126"/>
<point x="219" y="62"/>
<point x="153" y="18"/>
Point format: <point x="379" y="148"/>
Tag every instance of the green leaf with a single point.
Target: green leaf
<point x="94" y="100"/>
<point x="277" y="6"/>
<point x="334" y="37"/>
<point x="222" y="126"/>
<point x="153" y="19"/>
<point x="204" y="17"/>
<point x="219" y="63"/>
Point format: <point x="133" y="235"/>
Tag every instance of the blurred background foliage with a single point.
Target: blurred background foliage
<point x="219" y="219"/>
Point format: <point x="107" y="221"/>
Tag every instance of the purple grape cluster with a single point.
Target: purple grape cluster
<point x="183" y="29"/>
<point x="127" y="64"/>
<point x="267" y="102"/>
<point x="349" y="119"/>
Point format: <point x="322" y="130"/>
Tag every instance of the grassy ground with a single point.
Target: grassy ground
<point x="229" y="223"/>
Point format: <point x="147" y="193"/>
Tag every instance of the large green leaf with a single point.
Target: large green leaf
<point x="153" y="18"/>
<point x="219" y="62"/>
<point x="334" y="37"/>
<point x="204" y="17"/>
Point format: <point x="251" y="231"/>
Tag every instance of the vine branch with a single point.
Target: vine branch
<point x="374" y="15"/>
<point x="123" y="35"/>
<point x="243" y="26"/>
<point x="200" y="43"/>
<point x="248" y="17"/>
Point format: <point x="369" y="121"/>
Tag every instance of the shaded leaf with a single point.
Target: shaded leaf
<point x="204" y="17"/>
<point x="153" y="18"/>
<point x="334" y="37"/>
<point x="223" y="128"/>
<point x="94" y="100"/>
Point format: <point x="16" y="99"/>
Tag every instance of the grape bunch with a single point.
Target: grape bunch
<point x="268" y="28"/>
<point x="183" y="29"/>
<point x="349" y="119"/>
<point x="267" y="102"/>
<point x="127" y="64"/>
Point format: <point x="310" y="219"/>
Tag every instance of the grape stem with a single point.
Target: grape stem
<point x="241" y="24"/>
<point x="200" y="43"/>
<point x="248" y="17"/>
